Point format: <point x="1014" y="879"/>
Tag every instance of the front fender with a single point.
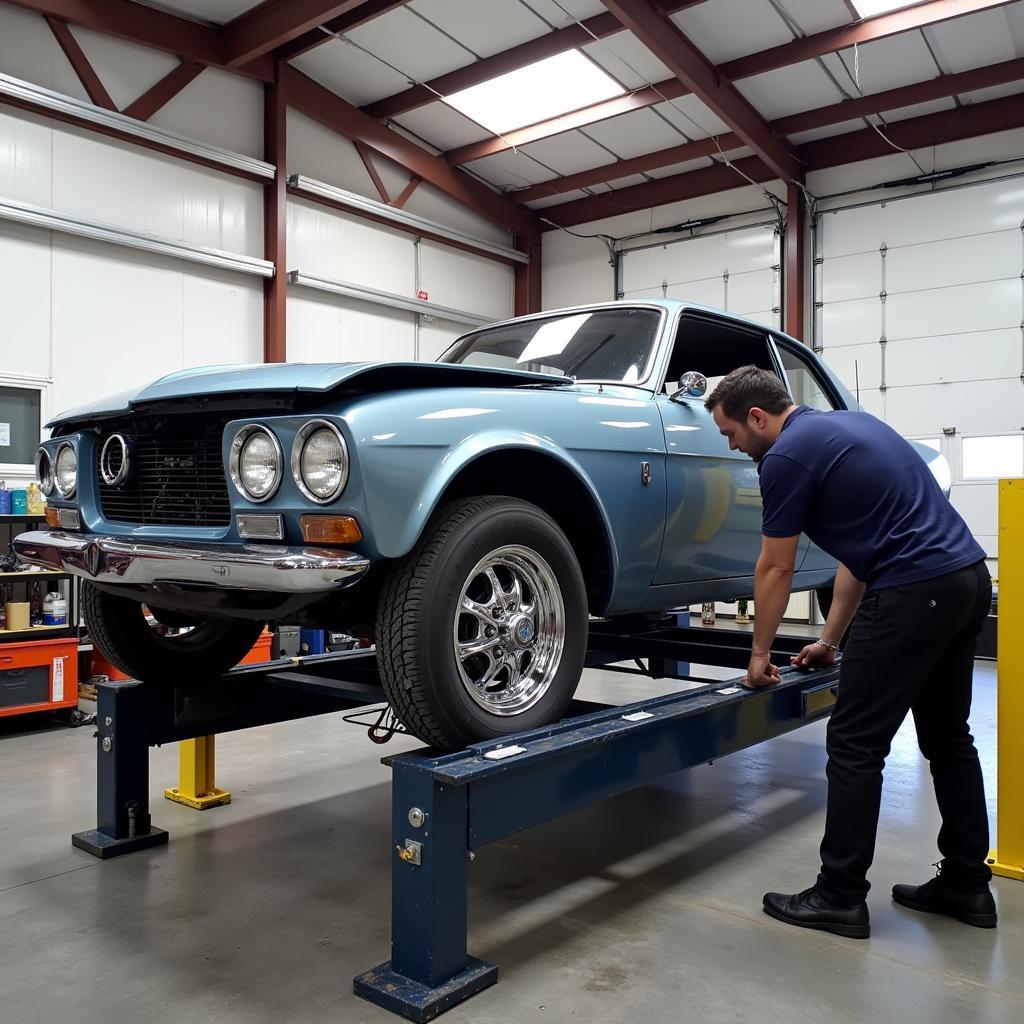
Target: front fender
<point x="404" y="483"/>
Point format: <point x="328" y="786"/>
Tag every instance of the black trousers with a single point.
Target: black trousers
<point x="910" y="648"/>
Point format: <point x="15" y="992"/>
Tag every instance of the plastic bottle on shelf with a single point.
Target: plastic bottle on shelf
<point x="55" y="610"/>
<point x="36" y="501"/>
<point x="5" y="499"/>
<point x="35" y="600"/>
<point x="3" y="601"/>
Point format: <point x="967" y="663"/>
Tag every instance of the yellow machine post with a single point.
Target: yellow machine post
<point x="196" y="764"/>
<point x="1008" y="857"/>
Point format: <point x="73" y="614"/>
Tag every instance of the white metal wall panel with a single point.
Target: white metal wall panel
<point x="329" y="244"/>
<point x="433" y="204"/>
<point x="222" y="318"/>
<point x="464" y="281"/>
<point x="222" y="109"/>
<point x="25" y="301"/>
<point x="324" y="329"/>
<point x="436" y="336"/>
<point x="25" y="157"/>
<point x="29" y="50"/>
<point x="100" y="179"/>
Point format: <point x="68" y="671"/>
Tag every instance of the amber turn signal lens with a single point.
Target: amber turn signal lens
<point x="330" y="530"/>
<point x="52" y="517"/>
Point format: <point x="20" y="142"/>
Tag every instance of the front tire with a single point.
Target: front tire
<point x="482" y="628"/>
<point x="119" y="628"/>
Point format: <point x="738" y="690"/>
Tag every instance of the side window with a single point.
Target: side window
<point x="804" y="381"/>
<point x="714" y="348"/>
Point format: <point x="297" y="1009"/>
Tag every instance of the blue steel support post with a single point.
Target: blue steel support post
<point x="429" y="971"/>
<point x="122" y="774"/>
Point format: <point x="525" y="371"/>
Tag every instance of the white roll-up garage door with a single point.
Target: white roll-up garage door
<point x="920" y="304"/>
<point x="735" y="270"/>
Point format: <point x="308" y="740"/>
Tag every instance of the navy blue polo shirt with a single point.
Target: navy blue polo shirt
<point x="864" y="495"/>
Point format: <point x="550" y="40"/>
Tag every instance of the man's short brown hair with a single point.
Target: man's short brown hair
<point x="746" y="387"/>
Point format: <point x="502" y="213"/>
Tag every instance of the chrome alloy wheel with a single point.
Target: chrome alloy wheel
<point x="509" y="630"/>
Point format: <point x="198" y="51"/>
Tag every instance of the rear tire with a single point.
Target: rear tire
<point x="119" y="628"/>
<point x="439" y="602"/>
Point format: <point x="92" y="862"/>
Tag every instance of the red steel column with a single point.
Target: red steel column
<point x="793" y="324"/>
<point x="527" y="297"/>
<point x="275" y="218"/>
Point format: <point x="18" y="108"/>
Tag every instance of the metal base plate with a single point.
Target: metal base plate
<point x="1014" y="871"/>
<point x="214" y="798"/>
<point x="101" y="845"/>
<point x="401" y="995"/>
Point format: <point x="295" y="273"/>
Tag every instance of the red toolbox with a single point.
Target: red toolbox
<point x="38" y="675"/>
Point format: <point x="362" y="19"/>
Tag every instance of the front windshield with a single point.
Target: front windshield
<point x="614" y="344"/>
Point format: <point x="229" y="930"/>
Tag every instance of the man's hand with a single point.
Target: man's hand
<point x="814" y="656"/>
<point x="760" y="672"/>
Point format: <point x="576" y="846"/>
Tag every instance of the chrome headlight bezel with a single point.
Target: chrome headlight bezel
<point x="238" y="442"/>
<point x="115" y="479"/>
<point x="66" y="446"/>
<point x="305" y="432"/>
<point x="44" y="471"/>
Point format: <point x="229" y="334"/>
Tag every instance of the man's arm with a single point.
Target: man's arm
<point x="773" y="581"/>
<point x="846" y="594"/>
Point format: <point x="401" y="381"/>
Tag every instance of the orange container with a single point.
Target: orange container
<point x="260" y="651"/>
<point x="38" y="675"/>
<point x="99" y="666"/>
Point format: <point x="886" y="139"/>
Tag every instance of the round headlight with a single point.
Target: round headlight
<point x="320" y="461"/>
<point x="66" y="475"/>
<point x="255" y="462"/>
<point x="44" y="471"/>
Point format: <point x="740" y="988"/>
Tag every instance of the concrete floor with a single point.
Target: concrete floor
<point x="647" y="907"/>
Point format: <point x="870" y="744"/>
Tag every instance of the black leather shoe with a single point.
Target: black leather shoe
<point x="935" y="897"/>
<point x="808" y="910"/>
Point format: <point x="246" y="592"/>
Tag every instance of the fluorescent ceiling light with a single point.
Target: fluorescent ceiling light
<point x="871" y="8"/>
<point x="567" y="81"/>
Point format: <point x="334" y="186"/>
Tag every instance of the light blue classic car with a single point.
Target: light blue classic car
<point x="468" y="515"/>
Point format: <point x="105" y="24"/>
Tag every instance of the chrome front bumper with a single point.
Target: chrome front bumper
<point x="256" y="567"/>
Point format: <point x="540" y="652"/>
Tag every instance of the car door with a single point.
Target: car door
<point x="713" y="509"/>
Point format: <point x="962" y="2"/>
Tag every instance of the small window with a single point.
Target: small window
<point x="804" y="384"/>
<point x="990" y="458"/>
<point x="21" y="409"/>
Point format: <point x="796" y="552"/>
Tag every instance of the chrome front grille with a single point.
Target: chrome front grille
<point x="176" y="473"/>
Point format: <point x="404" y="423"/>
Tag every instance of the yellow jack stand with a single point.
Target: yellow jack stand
<point x="1007" y="859"/>
<point x="196" y="763"/>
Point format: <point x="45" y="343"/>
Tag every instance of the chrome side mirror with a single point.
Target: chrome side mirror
<point x="691" y="385"/>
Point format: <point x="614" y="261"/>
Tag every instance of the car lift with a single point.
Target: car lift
<point x="446" y="807"/>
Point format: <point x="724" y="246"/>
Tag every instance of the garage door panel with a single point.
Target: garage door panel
<point x="755" y="249"/>
<point x="972" y="407"/>
<point x="851" y="277"/>
<point x="959" y="357"/>
<point x="768" y="317"/>
<point x="751" y="291"/>
<point x="871" y="400"/>
<point x="953" y="261"/>
<point x="985" y="306"/>
<point x="855" y="322"/>
<point x="644" y="270"/>
<point x="709" y="292"/>
<point x="843" y="235"/>
<point x="979" y="505"/>
<point x="990" y="544"/>
<point x="855" y="364"/>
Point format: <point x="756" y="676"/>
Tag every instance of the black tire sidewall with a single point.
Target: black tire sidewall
<point x="511" y="522"/>
<point x="119" y="628"/>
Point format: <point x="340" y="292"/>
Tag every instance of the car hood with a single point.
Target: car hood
<point x="283" y="379"/>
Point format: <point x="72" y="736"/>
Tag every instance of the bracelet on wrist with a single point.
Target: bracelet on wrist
<point x="825" y="643"/>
